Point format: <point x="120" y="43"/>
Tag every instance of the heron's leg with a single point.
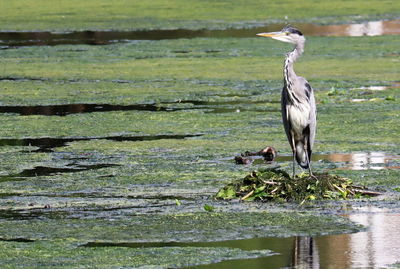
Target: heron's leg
<point x="294" y="154"/>
<point x="309" y="170"/>
<point x="294" y="163"/>
<point x="308" y="160"/>
<point x="309" y="165"/>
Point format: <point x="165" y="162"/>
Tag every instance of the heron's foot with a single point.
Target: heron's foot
<point x="311" y="175"/>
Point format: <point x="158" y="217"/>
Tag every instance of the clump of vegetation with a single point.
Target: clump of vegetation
<point x="276" y="185"/>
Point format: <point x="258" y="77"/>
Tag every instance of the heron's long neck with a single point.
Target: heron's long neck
<point x="291" y="57"/>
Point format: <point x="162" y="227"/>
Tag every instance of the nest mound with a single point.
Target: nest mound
<point x="277" y="185"/>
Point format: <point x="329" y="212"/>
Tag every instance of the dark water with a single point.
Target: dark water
<point x="63" y="110"/>
<point x="46" y="144"/>
<point x="48" y="171"/>
<point x="68" y="109"/>
<point x="25" y="240"/>
<point x="15" y="39"/>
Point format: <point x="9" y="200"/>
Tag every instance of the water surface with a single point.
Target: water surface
<point x="377" y="247"/>
<point x="46" y="144"/>
<point x="11" y="39"/>
<point x="375" y="160"/>
<point x="68" y="109"/>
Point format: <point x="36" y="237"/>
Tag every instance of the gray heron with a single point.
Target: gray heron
<point x="297" y="101"/>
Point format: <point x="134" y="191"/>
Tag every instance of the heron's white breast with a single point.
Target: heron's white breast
<point x="299" y="118"/>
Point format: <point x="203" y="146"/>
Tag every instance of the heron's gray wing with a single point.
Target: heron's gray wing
<point x="285" y="116"/>
<point x="313" y="116"/>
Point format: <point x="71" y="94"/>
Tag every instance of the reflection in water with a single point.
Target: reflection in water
<point x="374" y="88"/>
<point x="356" y="161"/>
<point x="305" y="253"/>
<point x="363" y="161"/>
<point x="108" y="37"/>
<point x="377" y="247"/>
<point x="369" y="28"/>
<point x="373" y="28"/>
<point x="395" y="85"/>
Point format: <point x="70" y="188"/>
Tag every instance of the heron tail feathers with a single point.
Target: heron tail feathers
<point x="301" y="156"/>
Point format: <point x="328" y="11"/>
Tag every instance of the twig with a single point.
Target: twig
<point x="274" y="190"/>
<point x="269" y="182"/>
<point x="338" y="188"/>
<point x="247" y="195"/>
<point x="366" y="192"/>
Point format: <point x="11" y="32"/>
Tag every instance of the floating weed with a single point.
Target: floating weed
<point x="276" y="185"/>
<point x="334" y="91"/>
<point x="390" y="98"/>
<point x="208" y="208"/>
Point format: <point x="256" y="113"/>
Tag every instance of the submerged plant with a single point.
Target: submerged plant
<point x="276" y="185"/>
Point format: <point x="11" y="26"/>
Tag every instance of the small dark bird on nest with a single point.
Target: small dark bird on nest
<point x="268" y="153"/>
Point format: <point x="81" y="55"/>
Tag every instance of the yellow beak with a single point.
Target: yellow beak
<point x="271" y="34"/>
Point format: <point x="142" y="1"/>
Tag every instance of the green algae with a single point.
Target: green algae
<point x="60" y="254"/>
<point x="87" y="65"/>
<point x="122" y="15"/>
<point x="381" y="179"/>
<point x="137" y="200"/>
<point x="178" y="227"/>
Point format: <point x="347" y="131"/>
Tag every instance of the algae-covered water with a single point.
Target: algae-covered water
<point x="111" y="152"/>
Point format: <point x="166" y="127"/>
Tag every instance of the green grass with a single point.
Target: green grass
<point x="30" y="15"/>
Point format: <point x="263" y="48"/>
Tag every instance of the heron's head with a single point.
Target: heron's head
<point x="288" y="34"/>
